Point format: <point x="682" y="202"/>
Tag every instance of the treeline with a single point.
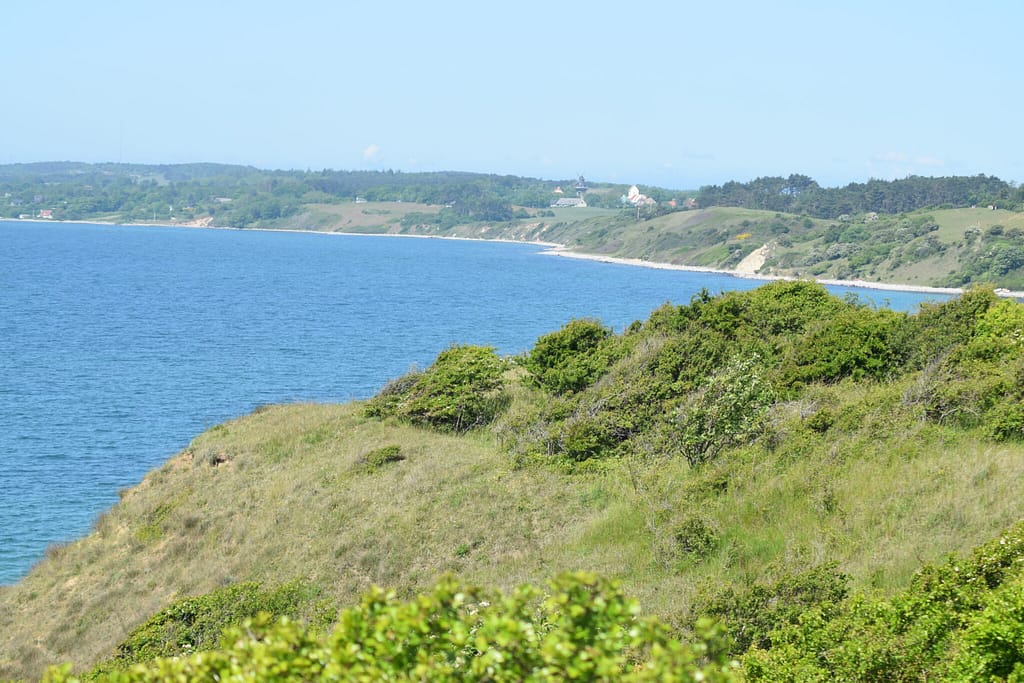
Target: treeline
<point x="242" y="196"/>
<point x="800" y="194"/>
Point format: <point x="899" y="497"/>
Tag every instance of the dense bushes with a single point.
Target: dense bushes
<point x="698" y="378"/>
<point x="855" y="342"/>
<point x="585" y="628"/>
<point x="459" y="391"/>
<point x="196" y="623"/>
<point x="960" y="621"/>
<point x="750" y="614"/>
<point x="570" y="359"/>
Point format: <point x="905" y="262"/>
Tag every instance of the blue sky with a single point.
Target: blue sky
<point x="664" y="93"/>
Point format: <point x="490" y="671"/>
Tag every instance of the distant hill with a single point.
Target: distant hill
<point x="951" y="231"/>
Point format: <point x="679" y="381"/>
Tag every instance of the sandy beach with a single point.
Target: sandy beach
<point x="561" y="250"/>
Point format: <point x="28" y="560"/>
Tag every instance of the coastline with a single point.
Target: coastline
<point x="562" y="250"/>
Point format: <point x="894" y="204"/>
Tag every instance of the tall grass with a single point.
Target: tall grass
<point x="286" y="494"/>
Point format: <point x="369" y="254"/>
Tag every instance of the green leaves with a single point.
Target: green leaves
<point x="584" y="629"/>
<point x="726" y="410"/>
<point x="959" y="621"/>
<point x="458" y="392"/>
<point x="570" y="359"/>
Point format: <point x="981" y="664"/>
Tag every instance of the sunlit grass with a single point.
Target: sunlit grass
<point x="286" y="493"/>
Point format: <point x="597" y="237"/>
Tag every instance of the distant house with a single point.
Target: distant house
<point x="690" y="203"/>
<point x="636" y="199"/>
<point x="360" y="200"/>
<point x="558" y="190"/>
<point x="46" y="213"/>
<point x="569" y="202"/>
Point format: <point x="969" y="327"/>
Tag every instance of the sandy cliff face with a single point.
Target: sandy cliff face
<point x="754" y="261"/>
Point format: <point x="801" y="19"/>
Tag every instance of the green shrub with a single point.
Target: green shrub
<point x="821" y="421"/>
<point x="751" y="613"/>
<point x="998" y="333"/>
<point x="1005" y="422"/>
<point x="694" y="536"/>
<point x="991" y="647"/>
<point x="379" y="457"/>
<point x="584" y="629"/>
<point x="580" y="439"/>
<point x="961" y="620"/>
<point x="389" y="399"/>
<point x="728" y="409"/>
<point x="458" y="392"/>
<point x="856" y="342"/>
<point x="570" y="359"/>
<point x="195" y="624"/>
<point x="939" y="327"/>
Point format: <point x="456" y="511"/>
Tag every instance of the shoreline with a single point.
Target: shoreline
<point x="565" y="252"/>
<point x="562" y="250"/>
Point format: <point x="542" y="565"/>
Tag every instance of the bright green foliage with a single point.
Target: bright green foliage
<point x="458" y="392"/>
<point x="937" y="328"/>
<point x="963" y="620"/>
<point x="677" y="373"/>
<point x="195" y="624"/>
<point x="751" y="613"/>
<point x="570" y="359"/>
<point x="679" y="384"/>
<point x="856" y="342"/>
<point x="999" y="332"/>
<point x="980" y="381"/>
<point x="694" y="537"/>
<point x="992" y="646"/>
<point x="727" y="410"/>
<point x="585" y="629"/>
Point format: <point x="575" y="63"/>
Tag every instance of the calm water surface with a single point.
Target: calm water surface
<point x="119" y="344"/>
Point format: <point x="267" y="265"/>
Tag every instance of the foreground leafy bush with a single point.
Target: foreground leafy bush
<point x="196" y="623"/>
<point x="458" y="392"/>
<point x="961" y="621"/>
<point x="584" y="629"/>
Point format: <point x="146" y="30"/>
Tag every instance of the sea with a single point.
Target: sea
<point x="119" y="344"/>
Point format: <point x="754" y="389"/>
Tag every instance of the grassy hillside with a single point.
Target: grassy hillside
<point x="916" y="231"/>
<point x="942" y="247"/>
<point x="732" y="443"/>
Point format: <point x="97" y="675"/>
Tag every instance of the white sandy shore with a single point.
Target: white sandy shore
<point x="563" y="251"/>
<point x="556" y="249"/>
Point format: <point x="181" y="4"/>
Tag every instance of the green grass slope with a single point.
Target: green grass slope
<point x="733" y="443"/>
<point x="941" y="247"/>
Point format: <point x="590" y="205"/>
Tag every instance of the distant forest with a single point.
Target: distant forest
<point x="244" y="196"/>
<point x="800" y="194"/>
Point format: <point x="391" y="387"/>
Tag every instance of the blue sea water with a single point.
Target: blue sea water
<point x="119" y="344"/>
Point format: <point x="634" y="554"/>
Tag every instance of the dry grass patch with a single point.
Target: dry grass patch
<point x="286" y="498"/>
